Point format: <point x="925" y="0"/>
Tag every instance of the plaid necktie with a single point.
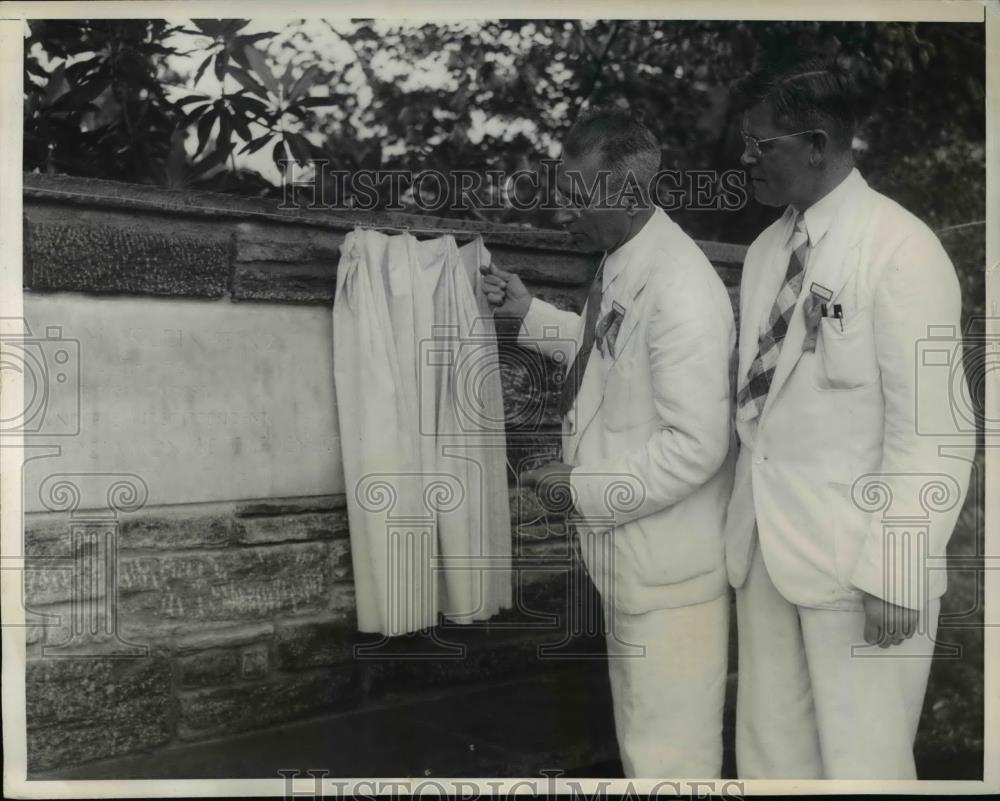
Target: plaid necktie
<point x="753" y="393"/>
<point x="574" y="378"/>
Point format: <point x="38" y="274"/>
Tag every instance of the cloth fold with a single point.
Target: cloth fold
<point x="420" y="410"/>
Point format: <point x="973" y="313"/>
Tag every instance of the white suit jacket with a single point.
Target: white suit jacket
<point x="842" y="471"/>
<point x="649" y="433"/>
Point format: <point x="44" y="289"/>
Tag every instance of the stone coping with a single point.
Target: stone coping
<point x="93" y="235"/>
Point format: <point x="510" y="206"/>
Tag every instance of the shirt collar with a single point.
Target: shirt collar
<point x="616" y="260"/>
<point x="820" y="215"/>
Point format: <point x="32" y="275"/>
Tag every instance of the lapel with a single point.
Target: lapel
<point x="762" y="279"/>
<point x="630" y="282"/>
<point x="833" y="261"/>
<point x="634" y="278"/>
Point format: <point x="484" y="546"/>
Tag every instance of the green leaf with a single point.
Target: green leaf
<point x="234" y="25"/>
<point x="220" y="65"/>
<point x="201" y="69"/>
<point x="240" y="123"/>
<point x="256" y="144"/>
<point x="299" y="146"/>
<point x="315" y="102"/>
<point x="209" y="27"/>
<point x="255" y="37"/>
<point x="193" y="113"/>
<point x="205" y="129"/>
<point x="190" y="99"/>
<point x="224" y="141"/>
<point x="259" y="65"/>
<point x="278" y="155"/>
<point x="214" y="159"/>
<point x="246" y="80"/>
<point x="81" y="95"/>
<point x="56" y="86"/>
<point x="304" y="83"/>
<point x="239" y="56"/>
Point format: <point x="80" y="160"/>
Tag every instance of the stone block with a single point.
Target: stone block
<point x="227" y="710"/>
<point x="176" y="532"/>
<point x="207" y="669"/>
<point x="287" y="528"/>
<point x="550" y="267"/>
<point x="255" y="661"/>
<point x="114" y="253"/>
<point x="214" y="636"/>
<point x="562" y="297"/>
<point x="49" y="534"/>
<point x="52" y="581"/>
<point x="315" y="643"/>
<point x="291" y="506"/>
<point x="87" y="690"/>
<point x="221" y="666"/>
<point x="286" y="263"/>
<point x="163" y="593"/>
<point x="343" y="603"/>
<point x="146" y="727"/>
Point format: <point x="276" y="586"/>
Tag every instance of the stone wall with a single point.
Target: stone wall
<point x="186" y="536"/>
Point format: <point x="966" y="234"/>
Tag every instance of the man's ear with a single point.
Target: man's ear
<point x="820" y="147"/>
<point x="631" y="198"/>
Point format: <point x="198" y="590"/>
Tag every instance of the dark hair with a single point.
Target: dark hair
<point x="810" y="93"/>
<point x="623" y="142"/>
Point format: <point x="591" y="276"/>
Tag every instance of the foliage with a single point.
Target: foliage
<point x="107" y="114"/>
<point x="100" y="110"/>
<point x="491" y="95"/>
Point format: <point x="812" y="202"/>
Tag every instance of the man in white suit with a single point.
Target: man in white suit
<point x="646" y="436"/>
<point x="836" y="610"/>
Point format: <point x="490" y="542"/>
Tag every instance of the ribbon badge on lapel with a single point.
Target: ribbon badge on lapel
<point x="814" y="307"/>
<point x="607" y="328"/>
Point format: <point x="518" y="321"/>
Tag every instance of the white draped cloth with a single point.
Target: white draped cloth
<point x="420" y="410"/>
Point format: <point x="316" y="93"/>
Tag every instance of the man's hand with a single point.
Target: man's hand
<point x="506" y="293"/>
<point x="887" y="624"/>
<point x="552" y="486"/>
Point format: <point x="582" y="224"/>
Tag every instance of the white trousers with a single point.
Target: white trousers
<point x="814" y="701"/>
<point x="668" y="683"/>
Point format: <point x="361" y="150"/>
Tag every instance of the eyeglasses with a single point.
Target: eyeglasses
<point x="752" y="143"/>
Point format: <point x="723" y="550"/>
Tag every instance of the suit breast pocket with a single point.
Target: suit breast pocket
<point x="845" y="356"/>
<point x="628" y="397"/>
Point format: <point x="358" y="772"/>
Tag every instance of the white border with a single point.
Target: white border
<point x="11" y="47"/>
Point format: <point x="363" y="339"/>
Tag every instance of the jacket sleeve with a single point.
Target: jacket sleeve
<point x="919" y="483"/>
<point x="690" y="337"/>
<point x="551" y="331"/>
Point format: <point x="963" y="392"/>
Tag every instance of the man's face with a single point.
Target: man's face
<point x="780" y="174"/>
<point x="593" y="227"/>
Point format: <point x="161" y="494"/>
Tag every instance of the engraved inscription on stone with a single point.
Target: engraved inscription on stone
<point x="205" y="400"/>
